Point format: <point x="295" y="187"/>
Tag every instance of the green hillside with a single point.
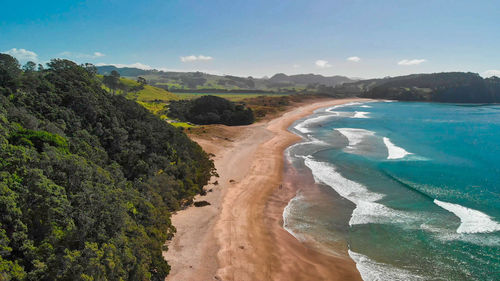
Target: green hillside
<point x="210" y="83"/>
<point x="88" y="178"/>
<point x="457" y="87"/>
<point x="133" y="90"/>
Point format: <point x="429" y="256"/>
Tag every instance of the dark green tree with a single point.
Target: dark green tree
<point x="87" y="178"/>
<point x="29" y="67"/>
<point x="112" y="81"/>
<point x="9" y="72"/>
<point x="142" y="81"/>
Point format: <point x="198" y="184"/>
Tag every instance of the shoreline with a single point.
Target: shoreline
<point x="240" y="236"/>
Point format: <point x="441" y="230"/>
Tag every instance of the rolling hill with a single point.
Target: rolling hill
<point x="457" y="87"/>
<point x="198" y="81"/>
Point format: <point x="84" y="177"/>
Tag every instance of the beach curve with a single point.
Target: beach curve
<point x="240" y="235"/>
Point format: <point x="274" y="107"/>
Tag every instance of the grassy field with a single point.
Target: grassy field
<point x="147" y="94"/>
<point x="157" y="99"/>
<point x="182" y="124"/>
<point x="150" y="93"/>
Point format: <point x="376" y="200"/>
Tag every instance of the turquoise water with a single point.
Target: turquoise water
<point x="411" y="189"/>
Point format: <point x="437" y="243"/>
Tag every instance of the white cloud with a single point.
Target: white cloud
<point x="196" y="58"/>
<point x="22" y="54"/>
<point x="73" y="55"/>
<point x="492" y="72"/>
<point x="135" y="65"/>
<point x="323" y="64"/>
<point x="296" y="66"/>
<point x="354" y="59"/>
<point x="412" y="62"/>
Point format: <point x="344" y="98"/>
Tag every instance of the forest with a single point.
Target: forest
<point x="211" y="110"/>
<point x="456" y="87"/>
<point x="88" y="179"/>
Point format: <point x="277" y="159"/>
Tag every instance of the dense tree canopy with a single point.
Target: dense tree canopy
<point x="459" y="87"/>
<point x="87" y="178"/>
<point x="211" y="110"/>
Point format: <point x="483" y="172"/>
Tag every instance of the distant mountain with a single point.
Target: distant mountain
<point x="198" y="81"/>
<point x="306" y="79"/>
<point x="124" y="71"/>
<point x="459" y="87"/>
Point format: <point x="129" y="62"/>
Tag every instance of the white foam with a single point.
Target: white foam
<point x="287" y="212"/>
<point x="367" y="210"/>
<point x="355" y="114"/>
<point x="342" y="113"/>
<point x="394" y="152"/>
<point x="310" y="140"/>
<point x="303" y="126"/>
<point x="471" y="221"/>
<point x="366" y="106"/>
<point x="371" y="270"/>
<point x="361" y="114"/>
<point x="373" y="212"/>
<point x="355" y="136"/>
<point x="343" y="105"/>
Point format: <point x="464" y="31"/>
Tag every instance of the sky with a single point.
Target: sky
<point x="365" y="39"/>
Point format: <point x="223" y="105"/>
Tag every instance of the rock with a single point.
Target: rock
<point x="201" y="203"/>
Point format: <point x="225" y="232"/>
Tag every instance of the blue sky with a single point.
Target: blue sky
<point x="261" y="37"/>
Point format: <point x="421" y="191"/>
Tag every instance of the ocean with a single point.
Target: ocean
<point x="410" y="191"/>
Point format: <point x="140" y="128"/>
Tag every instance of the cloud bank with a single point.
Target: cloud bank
<point x="23" y="54"/>
<point x="411" y="62"/>
<point x="132" y="65"/>
<point x="492" y="72"/>
<point x="193" y="58"/>
<point x="322" y="64"/>
<point x="73" y="55"/>
<point x="354" y="59"/>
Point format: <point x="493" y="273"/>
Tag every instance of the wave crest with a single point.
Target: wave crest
<point x="471" y="221"/>
<point x="371" y="270"/>
<point x="394" y="152"/>
<point x="367" y="210"/>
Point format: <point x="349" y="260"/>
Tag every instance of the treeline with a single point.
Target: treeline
<point x="87" y="178"/>
<point x="211" y="110"/>
<point x="217" y="91"/>
<point x="459" y="87"/>
<point x="114" y="83"/>
<point x="204" y="82"/>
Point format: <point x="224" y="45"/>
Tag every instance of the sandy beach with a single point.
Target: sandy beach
<point x="240" y="235"/>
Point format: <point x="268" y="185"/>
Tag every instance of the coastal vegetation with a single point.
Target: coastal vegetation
<point x="458" y="87"/>
<point x="88" y="178"/>
<point x="211" y="110"/>
<point x="235" y="97"/>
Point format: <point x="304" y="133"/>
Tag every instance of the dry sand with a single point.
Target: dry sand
<point x="240" y="235"/>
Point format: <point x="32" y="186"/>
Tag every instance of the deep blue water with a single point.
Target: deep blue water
<point x="412" y="188"/>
